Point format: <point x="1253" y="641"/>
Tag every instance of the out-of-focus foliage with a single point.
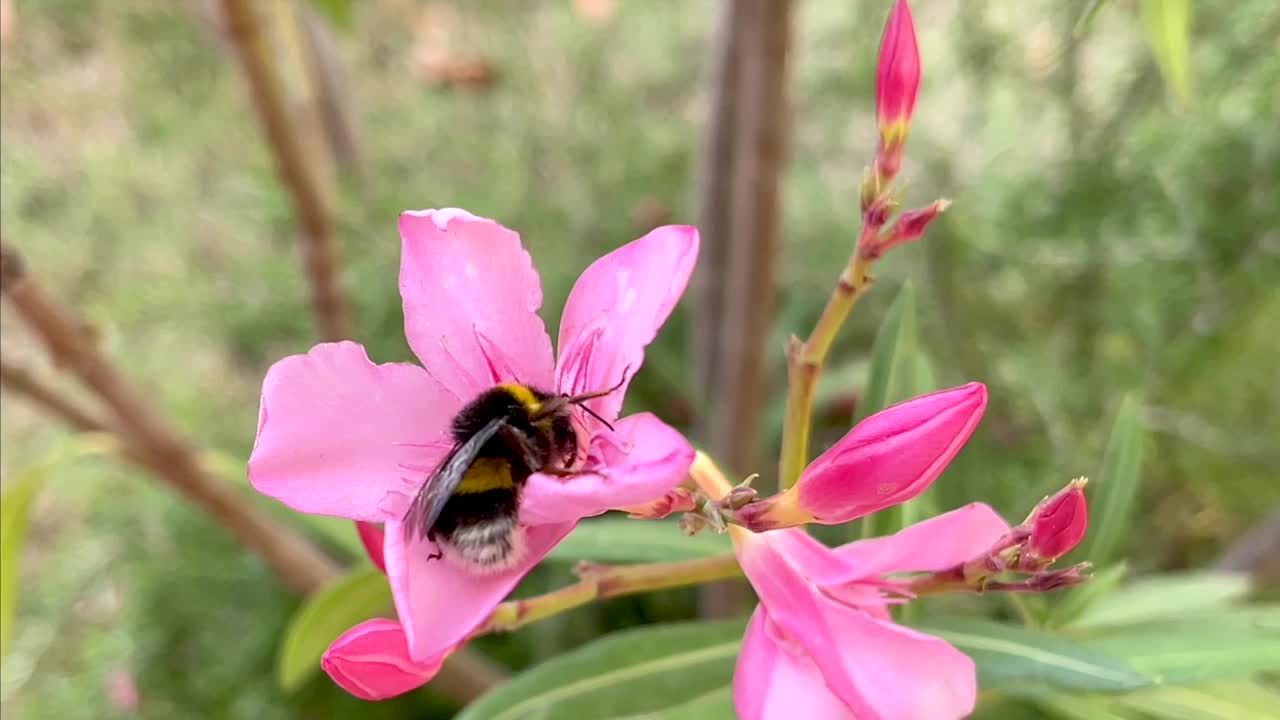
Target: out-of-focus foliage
<point x="1100" y="243"/>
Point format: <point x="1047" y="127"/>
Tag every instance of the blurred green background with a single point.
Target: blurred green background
<point x="1106" y="237"/>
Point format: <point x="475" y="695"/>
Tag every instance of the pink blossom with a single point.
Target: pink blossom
<point x="886" y="459"/>
<point x="339" y="435"/>
<point x="371" y="661"/>
<point x="821" y="642"/>
<point x="897" y="73"/>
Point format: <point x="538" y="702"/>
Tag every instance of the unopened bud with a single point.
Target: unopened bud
<point x="897" y="76"/>
<point x="910" y="226"/>
<point x="1057" y="525"/>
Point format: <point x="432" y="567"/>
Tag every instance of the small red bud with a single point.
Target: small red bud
<point x="1058" y="524"/>
<point x="910" y="226"/>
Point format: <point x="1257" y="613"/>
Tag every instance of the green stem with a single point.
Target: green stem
<point x="600" y="582"/>
<point x="804" y="366"/>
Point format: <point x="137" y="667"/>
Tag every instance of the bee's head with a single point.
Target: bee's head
<point x="557" y="404"/>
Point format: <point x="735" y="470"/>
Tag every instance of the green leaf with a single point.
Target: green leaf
<point x="1077" y="600"/>
<point x="337" y="11"/>
<point x="623" y="540"/>
<point x="1224" y="701"/>
<point x="714" y="705"/>
<point x="359" y="595"/>
<point x="15" y="519"/>
<point x="1111" y="507"/>
<point x="1208" y="646"/>
<point x="893" y="369"/>
<point x="1168" y="24"/>
<point x="646" y="671"/>
<point x="898" y="371"/>
<point x="1023" y="661"/>
<point x="1165" y="597"/>
<point x="1087" y="17"/>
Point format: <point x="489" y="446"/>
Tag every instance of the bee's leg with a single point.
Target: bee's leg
<point x="437" y="555"/>
<point x="563" y="472"/>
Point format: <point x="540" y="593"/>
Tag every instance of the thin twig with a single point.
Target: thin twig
<point x="150" y="440"/>
<point x="300" y="166"/>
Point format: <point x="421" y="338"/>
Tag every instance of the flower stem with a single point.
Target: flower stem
<point x="600" y="582"/>
<point x="804" y="365"/>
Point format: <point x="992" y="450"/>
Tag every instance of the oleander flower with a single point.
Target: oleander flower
<point x="888" y="458"/>
<point x="340" y="435"/>
<point x="821" y="643"/>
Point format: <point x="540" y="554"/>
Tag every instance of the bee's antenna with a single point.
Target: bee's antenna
<point x="593" y="414"/>
<point x="580" y="399"/>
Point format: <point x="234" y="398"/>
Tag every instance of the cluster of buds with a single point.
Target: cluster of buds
<point x="897" y="84"/>
<point x="1021" y="560"/>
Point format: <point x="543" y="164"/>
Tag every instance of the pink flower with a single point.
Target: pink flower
<point x="897" y="74"/>
<point x="884" y="460"/>
<point x="821" y="642"/>
<point x="371" y="661"/>
<point x="339" y="435"/>
<point x="1057" y="525"/>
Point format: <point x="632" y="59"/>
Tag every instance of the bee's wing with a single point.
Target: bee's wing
<point x="426" y="507"/>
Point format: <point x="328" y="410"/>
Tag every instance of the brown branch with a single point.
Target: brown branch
<point x="152" y="443"/>
<point x="294" y="138"/>
<point x="147" y="437"/>
<point x="715" y="203"/>
<point x="24" y="382"/>
<point x="330" y="83"/>
<point x="742" y="202"/>
<point x="1255" y="552"/>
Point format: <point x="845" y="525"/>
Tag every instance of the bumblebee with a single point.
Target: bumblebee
<point x="469" y="506"/>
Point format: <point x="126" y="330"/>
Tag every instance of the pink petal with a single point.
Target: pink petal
<point x="371" y="536"/>
<point x="935" y="544"/>
<point x="776" y="680"/>
<point x="616" y="309"/>
<point x="877" y="668"/>
<point x="337" y="433"/>
<point x="471" y="299"/>
<point x="371" y="661"/>
<point x="642" y="461"/>
<point x="438" y="602"/>
<point x="891" y="456"/>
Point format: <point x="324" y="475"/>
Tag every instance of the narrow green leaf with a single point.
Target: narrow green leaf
<point x="15" y="519"/>
<point x="893" y="369"/>
<point x="1168" y="24"/>
<point x="337" y="11"/>
<point x="1114" y="494"/>
<point x="1087" y="17"/>
<point x="623" y="540"/>
<point x="1208" y="646"/>
<point x="714" y="705"/>
<point x="645" y="671"/>
<point x="1226" y="701"/>
<point x="1023" y="661"/>
<point x="359" y="595"/>
<point x="1166" y="597"/>
<point x="898" y="371"/>
<point x="1073" y="603"/>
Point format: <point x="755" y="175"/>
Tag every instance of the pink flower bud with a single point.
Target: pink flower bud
<point x="371" y="661"/>
<point x="1058" y="524"/>
<point x="897" y="75"/>
<point x="910" y="226"/>
<point x="884" y="460"/>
